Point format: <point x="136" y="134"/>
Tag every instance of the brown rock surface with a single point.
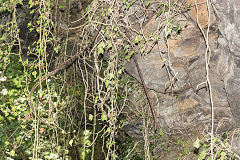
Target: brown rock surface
<point x="187" y="58"/>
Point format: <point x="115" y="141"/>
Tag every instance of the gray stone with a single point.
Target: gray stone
<point x="154" y="73"/>
<point x="227" y="12"/>
<point x="187" y="54"/>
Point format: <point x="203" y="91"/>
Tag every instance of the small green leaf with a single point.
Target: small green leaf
<point x="100" y="51"/>
<point x="104" y="117"/>
<point x="32" y="11"/>
<point x="7" y="143"/>
<point x="147" y="3"/>
<point x="223" y="154"/>
<point x="30" y="4"/>
<point x="109" y="45"/>
<point x="29" y="24"/>
<point x="12" y="152"/>
<point x="202" y="155"/>
<point x="161" y="133"/>
<point x="159" y="13"/>
<point x="111" y="76"/>
<point x="115" y="29"/>
<point x="61" y="6"/>
<point x="178" y="29"/>
<point x="137" y="40"/>
<point x="108" y="130"/>
<point x="129" y="56"/>
<point x="34" y="73"/>
<point x="100" y="48"/>
<point x="164" y="60"/>
<point x="121" y="70"/>
<point x="110" y="10"/>
<point x="124" y="7"/>
<point x="196" y="144"/>
<point x="103" y="31"/>
<point x="56" y="49"/>
<point x="126" y="51"/>
<point x="130" y="4"/>
<point x="107" y="82"/>
<point x="96" y="99"/>
<point x="214" y="140"/>
<point x="63" y="132"/>
<point x="90" y="117"/>
<point x="179" y="142"/>
<point x="150" y="36"/>
<point x="71" y="142"/>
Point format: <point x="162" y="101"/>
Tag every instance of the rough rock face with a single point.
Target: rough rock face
<point x="190" y="104"/>
<point x="228" y="18"/>
<point x="187" y="104"/>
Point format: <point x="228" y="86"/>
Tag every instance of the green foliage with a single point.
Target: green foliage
<point x="137" y="40"/>
<point x="127" y="4"/>
<point x="147" y="3"/>
<point x="101" y="47"/>
<point x="221" y="149"/>
<point x="14" y="108"/>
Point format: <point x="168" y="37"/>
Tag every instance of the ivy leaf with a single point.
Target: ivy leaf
<point x="109" y="45"/>
<point x="104" y="117"/>
<point x="34" y="73"/>
<point x="56" y="49"/>
<point x="110" y="10"/>
<point x="130" y="4"/>
<point x="223" y="154"/>
<point x="30" y="3"/>
<point x="196" y="144"/>
<point x="164" y="60"/>
<point x="107" y="82"/>
<point x="147" y="3"/>
<point x="103" y="31"/>
<point x="159" y="13"/>
<point x="29" y="24"/>
<point x="161" y="133"/>
<point x="214" y="140"/>
<point x="7" y="143"/>
<point x="71" y="142"/>
<point x="121" y="70"/>
<point x="101" y="45"/>
<point x="32" y="11"/>
<point x="108" y="130"/>
<point x="100" y="51"/>
<point x="100" y="48"/>
<point x="129" y="56"/>
<point x="61" y="6"/>
<point x="12" y="152"/>
<point x="202" y="155"/>
<point x="137" y="40"/>
<point x="90" y="117"/>
<point x="111" y="76"/>
<point x="63" y="132"/>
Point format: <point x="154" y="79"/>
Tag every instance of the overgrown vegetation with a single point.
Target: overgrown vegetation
<point x="79" y="112"/>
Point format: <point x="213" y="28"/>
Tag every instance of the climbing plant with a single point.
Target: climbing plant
<point x="64" y="91"/>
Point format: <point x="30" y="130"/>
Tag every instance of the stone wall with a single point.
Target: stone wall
<point x="228" y="20"/>
<point x="190" y="101"/>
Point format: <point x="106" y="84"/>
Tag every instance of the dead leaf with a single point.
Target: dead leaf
<point x="27" y="117"/>
<point x="41" y="130"/>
